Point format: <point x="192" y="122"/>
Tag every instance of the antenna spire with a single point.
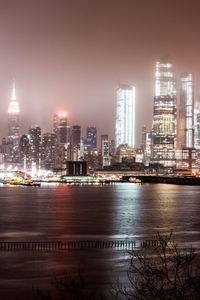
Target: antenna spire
<point x="13" y="92"/>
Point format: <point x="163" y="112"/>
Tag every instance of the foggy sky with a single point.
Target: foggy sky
<point x="71" y="55"/>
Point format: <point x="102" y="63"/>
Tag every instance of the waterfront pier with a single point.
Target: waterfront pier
<point x="182" y="180"/>
<point x="77" y="244"/>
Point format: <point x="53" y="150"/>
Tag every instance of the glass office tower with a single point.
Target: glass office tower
<point x="164" y="115"/>
<point x="125" y="116"/>
<point x="186" y="112"/>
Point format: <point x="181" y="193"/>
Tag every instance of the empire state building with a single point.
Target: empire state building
<point x="13" y="127"/>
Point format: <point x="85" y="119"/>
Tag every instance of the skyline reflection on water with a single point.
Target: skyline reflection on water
<point x="120" y="210"/>
<point x="60" y="212"/>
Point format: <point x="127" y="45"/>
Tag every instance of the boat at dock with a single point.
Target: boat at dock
<point x="32" y="183"/>
<point x="17" y="182"/>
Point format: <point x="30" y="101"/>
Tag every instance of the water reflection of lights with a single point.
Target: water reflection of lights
<point x="127" y="208"/>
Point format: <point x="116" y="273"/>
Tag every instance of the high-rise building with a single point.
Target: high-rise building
<point x="125" y="153"/>
<point x="75" y="142"/>
<point x="148" y="149"/>
<point x="4" y="150"/>
<point x="82" y="149"/>
<point x="4" y="146"/>
<point x="164" y="115"/>
<point x="91" y="139"/>
<point x="35" y="147"/>
<point x="105" y="150"/>
<point x="60" y="128"/>
<point x="186" y="113"/>
<point x="75" y="135"/>
<point x="62" y="132"/>
<point x="125" y="116"/>
<point x="144" y="137"/>
<point x="197" y="125"/>
<point x="112" y="148"/>
<point x="48" y="153"/>
<point x="25" y="152"/>
<point x="13" y="128"/>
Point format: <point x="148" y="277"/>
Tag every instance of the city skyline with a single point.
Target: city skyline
<point x="14" y="102"/>
<point x="72" y="55"/>
<point x="99" y="149"/>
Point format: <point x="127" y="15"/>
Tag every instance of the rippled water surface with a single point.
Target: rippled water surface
<point x="88" y="212"/>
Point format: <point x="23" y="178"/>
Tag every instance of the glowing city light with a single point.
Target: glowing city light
<point x="13" y="107"/>
<point x="125" y="116"/>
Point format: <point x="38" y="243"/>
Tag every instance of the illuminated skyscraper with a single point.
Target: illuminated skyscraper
<point x="75" y="142"/>
<point x="164" y="115"/>
<point x="144" y="137"/>
<point x="105" y="150"/>
<point x="186" y="113"/>
<point x="62" y="131"/>
<point x="60" y="128"/>
<point x="112" y="147"/>
<point x="197" y="125"/>
<point x="91" y="136"/>
<point x="125" y="116"/>
<point x="13" y="128"/>
<point x="75" y="135"/>
<point x="25" y="151"/>
<point x="35" y="147"/>
<point x="48" y="153"/>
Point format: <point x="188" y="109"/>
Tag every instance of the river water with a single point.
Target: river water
<point x="62" y="212"/>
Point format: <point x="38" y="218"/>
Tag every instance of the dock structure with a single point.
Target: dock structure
<point x="77" y="244"/>
<point x="181" y="180"/>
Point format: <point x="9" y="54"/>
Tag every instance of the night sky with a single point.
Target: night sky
<point x="71" y="55"/>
